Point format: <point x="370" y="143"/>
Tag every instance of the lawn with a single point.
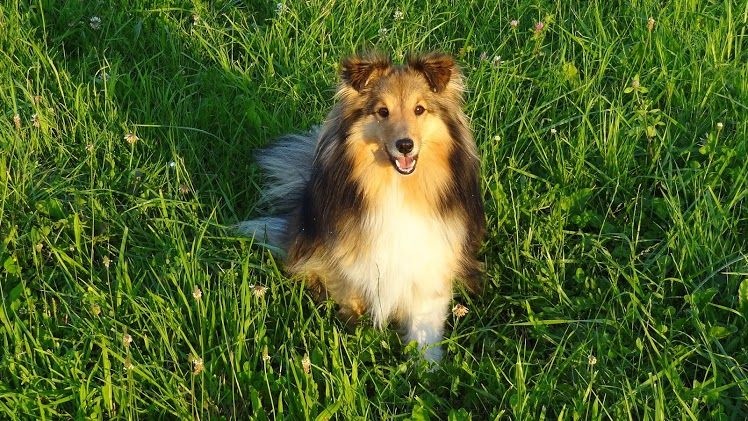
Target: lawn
<point x="613" y="138"/>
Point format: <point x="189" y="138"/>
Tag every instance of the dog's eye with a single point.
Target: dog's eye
<point x="419" y="109"/>
<point x="383" y="112"/>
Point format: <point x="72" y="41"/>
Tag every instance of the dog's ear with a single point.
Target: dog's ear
<point x="437" y="68"/>
<point x="360" y="71"/>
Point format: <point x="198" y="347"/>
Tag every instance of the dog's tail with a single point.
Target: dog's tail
<point x="287" y="167"/>
<point x="269" y="231"/>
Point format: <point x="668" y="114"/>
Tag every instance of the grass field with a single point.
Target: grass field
<point x="613" y="136"/>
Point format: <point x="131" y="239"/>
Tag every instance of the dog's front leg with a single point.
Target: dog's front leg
<point x="424" y="322"/>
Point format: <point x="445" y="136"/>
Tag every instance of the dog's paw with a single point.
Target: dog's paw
<point x="433" y="354"/>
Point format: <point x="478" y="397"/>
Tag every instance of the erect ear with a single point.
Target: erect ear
<point x="437" y="68"/>
<point x="360" y="71"/>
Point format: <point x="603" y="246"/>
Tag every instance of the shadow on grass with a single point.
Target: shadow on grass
<point x="188" y="89"/>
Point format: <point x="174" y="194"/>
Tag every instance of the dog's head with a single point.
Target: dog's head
<point x="403" y="106"/>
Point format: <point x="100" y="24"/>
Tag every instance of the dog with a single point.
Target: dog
<point x="380" y="208"/>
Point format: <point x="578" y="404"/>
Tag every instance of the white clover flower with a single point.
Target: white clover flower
<point x="306" y="364"/>
<point x="131" y="138"/>
<point x="259" y="290"/>
<point x="197" y="365"/>
<point x="460" y="311"/>
<point x="539" y="27"/>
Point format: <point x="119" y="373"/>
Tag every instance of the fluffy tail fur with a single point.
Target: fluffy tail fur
<point x="287" y="166"/>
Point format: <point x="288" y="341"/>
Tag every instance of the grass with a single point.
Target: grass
<point x="616" y="190"/>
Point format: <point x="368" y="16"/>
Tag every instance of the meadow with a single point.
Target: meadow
<point x="613" y="138"/>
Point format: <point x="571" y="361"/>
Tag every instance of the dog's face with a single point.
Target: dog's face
<point x="402" y="106"/>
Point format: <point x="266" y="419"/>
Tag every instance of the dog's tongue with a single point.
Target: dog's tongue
<point x="405" y="162"/>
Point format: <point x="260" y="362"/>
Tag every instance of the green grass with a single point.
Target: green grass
<point x="616" y="279"/>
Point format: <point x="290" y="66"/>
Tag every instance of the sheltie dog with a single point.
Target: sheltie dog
<point x="381" y="207"/>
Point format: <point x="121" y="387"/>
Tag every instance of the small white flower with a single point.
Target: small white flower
<point x="259" y="290"/>
<point x="35" y="121"/>
<point x="95" y="22"/>
<point x="280" y="8"/>
<point x="514" y="23"/>
<point x="591" y="360"/>
<point x="398" y="15"/>
<point x="460" y="311"/>
<point x="197" y="365"/>
<point x="720" y="126"/>
<point x="306" y="364"/>
<point x="383" y="32"/>
<point x="496" y="61"/>
<point x="131" y="138"/>
<point x="197" y="293"/>
<point x="553" y="131"/>
<point x="126" y="340"/>
<point x="172" y="164"/>
<point x="17" y="121"/>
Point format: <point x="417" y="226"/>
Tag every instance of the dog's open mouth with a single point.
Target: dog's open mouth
<point x="405" y="164"/>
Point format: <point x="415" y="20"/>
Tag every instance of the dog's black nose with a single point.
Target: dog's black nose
<point x="405" y="146"/>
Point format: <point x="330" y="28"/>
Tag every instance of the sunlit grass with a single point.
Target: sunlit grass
<point x="613" y="144"/>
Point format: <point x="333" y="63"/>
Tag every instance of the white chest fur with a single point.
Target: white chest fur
<point x="410" y="256"/>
